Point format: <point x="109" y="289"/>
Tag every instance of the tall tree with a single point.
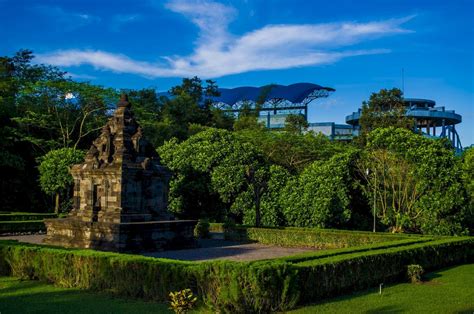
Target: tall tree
<point x="55" y="177"/>
<point x="384" y="109"/>
<point x="296" y="123"/>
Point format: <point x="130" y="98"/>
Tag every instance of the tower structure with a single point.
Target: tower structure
<point x="120" y="194"/>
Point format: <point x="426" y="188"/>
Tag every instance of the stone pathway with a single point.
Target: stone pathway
<point x="209" y="249"/>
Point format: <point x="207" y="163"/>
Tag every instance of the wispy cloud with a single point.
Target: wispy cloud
<point x="120" y="20"/>
<point x="218" y="52"/>
<point x="68" y="20"/>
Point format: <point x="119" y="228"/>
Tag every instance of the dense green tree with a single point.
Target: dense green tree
<point x="384" y="109"/>
<point x="55" y="178"/>
<point x="235" y="170"/>
<point x="147" y="108"/>
<point x="191" y="106"/>
<point x="271" y="205"/>
<point x="290" y="150"/>
<point x="296" y="123"/>
<point x="427" y="168"/>
<point x="467" y="167"/>
<point x="320" y="195"/>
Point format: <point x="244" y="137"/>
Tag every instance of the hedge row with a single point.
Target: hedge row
<point x="223" y="285"/>
<point x="25" y="216"/>
<point x="22" y="226"/>
<point x="306" y="237"/>
<point x="307" y="256"/>
<point x="322" y="278"/>
<point x="264" y="286"/>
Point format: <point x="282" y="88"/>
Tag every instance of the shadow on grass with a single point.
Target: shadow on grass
<point x="37" y="297"/>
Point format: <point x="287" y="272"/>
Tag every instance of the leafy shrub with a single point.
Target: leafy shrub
<point x="201" y="230"/>
<point x="307" y="237"/>
<point x="414" y="273"/>
<point x="25" y="216"/>
<point x="182" y="301"/>
<point x="22" y="226"/>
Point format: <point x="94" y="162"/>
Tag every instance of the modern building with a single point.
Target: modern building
<point x="275" y="102"/>
<point x="430" y="120"/>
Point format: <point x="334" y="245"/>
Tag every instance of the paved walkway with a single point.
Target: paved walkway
<point x="208" y="250"/>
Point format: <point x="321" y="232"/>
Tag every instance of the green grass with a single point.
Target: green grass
<point x="447" y="291"/>
<point x="18" y="296"/>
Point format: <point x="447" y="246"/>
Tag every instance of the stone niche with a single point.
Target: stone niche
<point x="120" y="195"/>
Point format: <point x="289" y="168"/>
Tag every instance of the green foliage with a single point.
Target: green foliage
<point x="201" y="230"/>
<point x="218" y="163"/>
<point x="307" y="237"/>
<point x="182" y="301"/>
<point x="384" y="109"/>
<point x="436" y="175"/>
<point x="295" y="123"/>
<point x="17" y="226"/>
<point x="319" y="196"/>
<point x="271" y="207"/>
<point x="55" y="166"/>
<point x="25" y="216"/>
<point x="292" y="151"/>
<point x="467" y="168"/>
<point x="54" y="171"/>
<point x="414" y="273"/>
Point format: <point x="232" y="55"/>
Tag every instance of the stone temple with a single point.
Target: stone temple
<point x="120" y="195"/>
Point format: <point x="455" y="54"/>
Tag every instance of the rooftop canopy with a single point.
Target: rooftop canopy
<point x="295" y="93"/>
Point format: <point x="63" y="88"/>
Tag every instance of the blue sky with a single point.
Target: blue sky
<point x="356" y="47"/>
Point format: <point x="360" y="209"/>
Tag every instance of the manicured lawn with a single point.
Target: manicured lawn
<point x="448" y="291"/>
<point x="35" y="297"/>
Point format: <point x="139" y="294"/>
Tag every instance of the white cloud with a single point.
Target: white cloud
<point x="218" y="52"/>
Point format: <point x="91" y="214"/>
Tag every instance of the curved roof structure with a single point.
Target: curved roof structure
<point x="295" y="93"/>
<point x="423" y="110"/>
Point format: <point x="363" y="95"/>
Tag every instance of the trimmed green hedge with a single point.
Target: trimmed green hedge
<point x="310" y="237"/>
<point x="25" y="216"/>
<point x="307" y="256"/>
<point x="233" y="287"/>
<point x="335" y="275"/>
<point x="22" y="226"/>
<point x="226" y="286"/>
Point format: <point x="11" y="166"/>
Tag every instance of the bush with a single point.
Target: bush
<point x="414" y="273"/>
<point x="216" y="227"/>
<point x="22" y="226"/>
<point x="201" y="230"/>
<point x="182" y="301"/>
<point x="25" y="216"/>
<point x="308" y="237"/>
